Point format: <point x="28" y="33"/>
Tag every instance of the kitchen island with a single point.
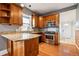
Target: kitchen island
<point x="22" y="44"/>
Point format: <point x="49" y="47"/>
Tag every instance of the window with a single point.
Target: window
<point x="26" y="22"/>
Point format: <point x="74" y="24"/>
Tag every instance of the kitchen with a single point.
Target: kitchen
<point x="23" y="29"/>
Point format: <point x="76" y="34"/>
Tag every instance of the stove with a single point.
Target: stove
<point x="49" y="37"/>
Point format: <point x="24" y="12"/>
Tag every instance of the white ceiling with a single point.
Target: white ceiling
<point x="42" y="8"/>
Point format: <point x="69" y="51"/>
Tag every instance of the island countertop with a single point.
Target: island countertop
<point x="19" y="36"/>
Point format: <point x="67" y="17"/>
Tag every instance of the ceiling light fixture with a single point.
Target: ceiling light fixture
<point x="22" y="5"/>
<point x="29" y="5"/>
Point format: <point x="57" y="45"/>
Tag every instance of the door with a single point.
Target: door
<point x="67" y="27"/>
<point x="67" y="32"/>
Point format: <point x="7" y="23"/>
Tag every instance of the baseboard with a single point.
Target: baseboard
<point x="77" y="46"/>
<point x="3" y="52"/>
<point x="67" y="43"/>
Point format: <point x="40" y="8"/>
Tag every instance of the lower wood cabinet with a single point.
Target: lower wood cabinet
<point x="43" y="37"/>
<point x="56" y="38"/>
<point x="28" y="47"/>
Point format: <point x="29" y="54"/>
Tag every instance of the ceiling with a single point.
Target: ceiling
<point x="42" y="8"/>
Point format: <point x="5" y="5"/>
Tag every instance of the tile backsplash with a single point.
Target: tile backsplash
<point x="13" y="28"/>
<point x="6" y="28"/>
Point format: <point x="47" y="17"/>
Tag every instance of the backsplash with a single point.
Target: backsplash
<point x="13" y="28"/>
<point x="52" y="29"/>
<point x="6" y="28"/>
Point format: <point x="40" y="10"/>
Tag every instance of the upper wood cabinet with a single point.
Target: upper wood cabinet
<point x="37" y="21"/>
<point x="16" y="15"/>
<point x="4" y="13"/>
<point x="53" y="18"/>
<point x="40" y="22"/>
<point x="34" y="21"/>
<point x="10" y="14"/>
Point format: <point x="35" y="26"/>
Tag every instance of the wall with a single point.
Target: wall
<point x="67" y="26"/>
<point x="27" y="11"/>
<point x="3" y="43"/>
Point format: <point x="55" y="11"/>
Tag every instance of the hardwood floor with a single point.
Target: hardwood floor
<point x="60" y="50"/>
<point x="54" y="50"/>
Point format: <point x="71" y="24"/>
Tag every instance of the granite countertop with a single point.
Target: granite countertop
<point x="33" y="32"/>
<point x="19" y="36"/>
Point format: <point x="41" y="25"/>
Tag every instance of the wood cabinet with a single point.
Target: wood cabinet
<point x="43" y="37"/>
<point x="40" y="22"/>
<point x="4" y="13"/>
<point x="35" y="21"/>
<point x="10" y="14"/>
<point x="56" y="38"/>
<point x="28" y="47"/>
<point x="53" y="18"/>
<point x="16" y="15"/>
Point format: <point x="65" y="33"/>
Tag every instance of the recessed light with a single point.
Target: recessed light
<point x="22" y="5"/>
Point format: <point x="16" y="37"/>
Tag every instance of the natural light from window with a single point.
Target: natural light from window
<point x="26" y="22"/>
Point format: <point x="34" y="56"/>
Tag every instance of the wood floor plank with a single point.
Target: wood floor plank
<point x="58" y="50"/>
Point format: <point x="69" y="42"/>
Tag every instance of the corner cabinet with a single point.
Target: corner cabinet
<point x="16" y="15"/>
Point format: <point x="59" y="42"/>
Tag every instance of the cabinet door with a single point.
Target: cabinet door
<point x="43" y="37"/>
<point x="10" y="47"/>
<point x="31" y="47"/>
<point x="16" y="15"/>
<point x="41" y="22"/>
<point x="56" y="39"/>
<point x="34" y="46"/>
<point x="57" y="19"/>
<point x="34" y="21"/>
<point x="19" y="10"/>
<point x="45" y="21"/>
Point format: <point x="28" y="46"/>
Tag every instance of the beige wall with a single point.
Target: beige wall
<point x="67" y="27"/>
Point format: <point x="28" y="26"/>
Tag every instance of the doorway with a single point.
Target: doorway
<point x="67" y="27"/>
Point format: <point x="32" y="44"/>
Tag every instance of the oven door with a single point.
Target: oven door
<point x="49" y="38"/>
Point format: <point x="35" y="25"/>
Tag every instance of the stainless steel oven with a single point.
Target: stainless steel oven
<point x="49" y="38"/>
<point x="49" y="33"/>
